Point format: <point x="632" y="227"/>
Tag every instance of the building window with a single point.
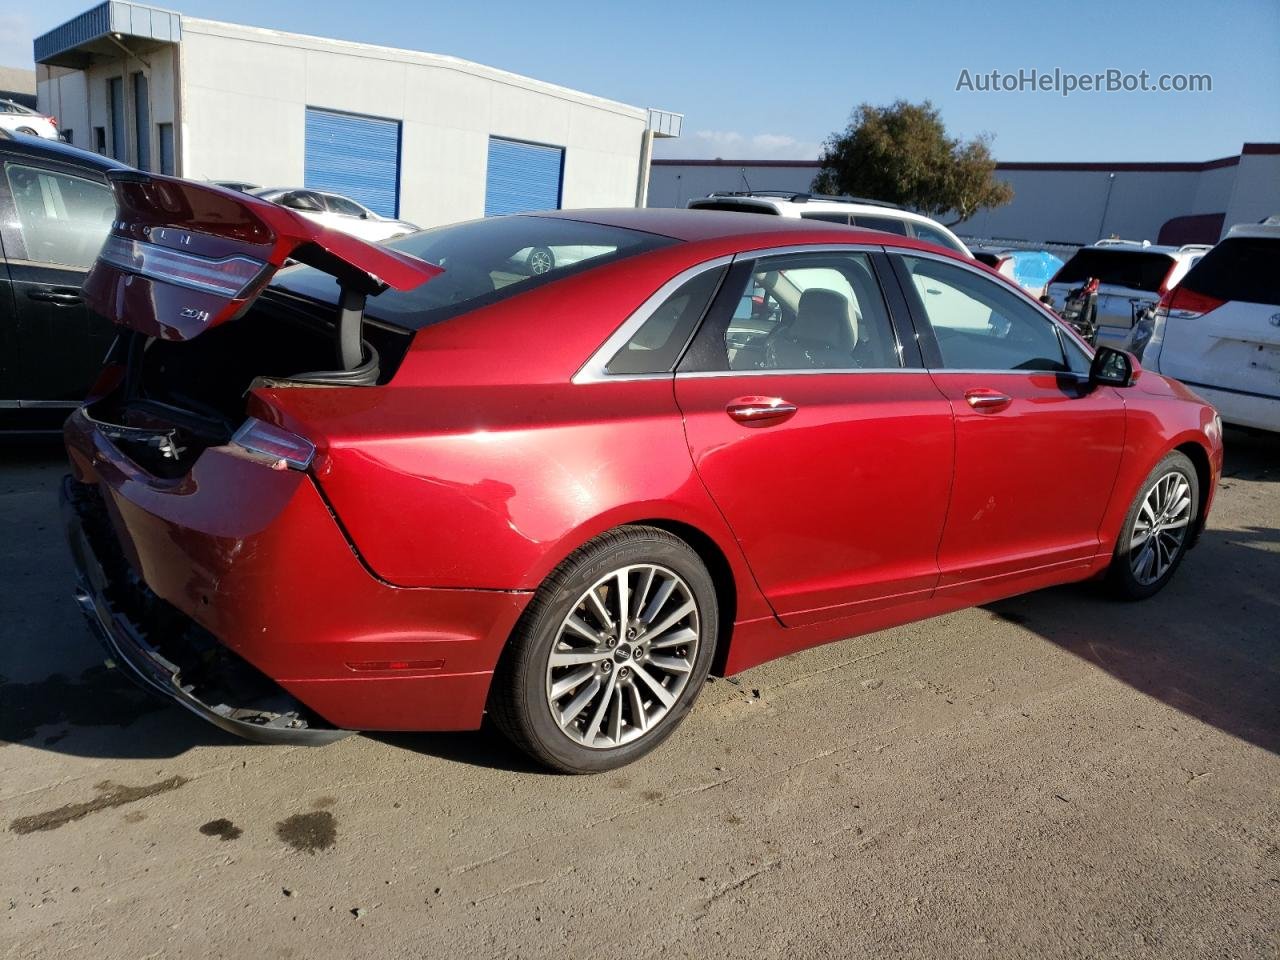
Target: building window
<point x="100" y="140"/>
<point x="119" y="133"/>
<point x="164" y="133"/>
<point x="522" y="177"/>
<point x="68" y="135"/>
<point x="142" y="119"/>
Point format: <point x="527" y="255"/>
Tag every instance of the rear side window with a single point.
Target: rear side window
<point x="656" y="346"/>
<point x="485" y="261"/>
<point x="1137" y="271"/>
<point x="827" y="217"/>
<point x="887" y="224"/>
<point x="343" y="206"/>
<point x="733" y="206"/>
<point x="1239" y="268"/>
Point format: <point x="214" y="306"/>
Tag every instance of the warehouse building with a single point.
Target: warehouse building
<point x="428" y="138"/>
<point x="1057" y="203"/>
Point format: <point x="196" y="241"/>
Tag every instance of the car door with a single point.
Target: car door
<point x="823" y="442"/>
<point x="53" y="220"/>
<point x="1036" y="449"/>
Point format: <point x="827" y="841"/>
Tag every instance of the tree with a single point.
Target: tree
<point x="902" y="154"/>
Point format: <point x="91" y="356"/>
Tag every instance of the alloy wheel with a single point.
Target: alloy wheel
<point x="623" y="656"/>
<point x="1160" y="528"/>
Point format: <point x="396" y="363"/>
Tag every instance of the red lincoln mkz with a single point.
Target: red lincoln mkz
<point x="558" y="467"/>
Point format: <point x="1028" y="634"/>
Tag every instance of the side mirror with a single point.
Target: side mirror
<point x="1114" y="368"/>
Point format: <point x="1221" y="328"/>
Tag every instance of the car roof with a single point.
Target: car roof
<point x="1266" y="231"/>
<point x="698" y="225"/>
<point x="38" y="147"/>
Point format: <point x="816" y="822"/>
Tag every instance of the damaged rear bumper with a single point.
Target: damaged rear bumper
<point x="283" y="721"/>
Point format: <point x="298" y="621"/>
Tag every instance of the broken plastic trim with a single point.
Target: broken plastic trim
<point x="278" y="448"/>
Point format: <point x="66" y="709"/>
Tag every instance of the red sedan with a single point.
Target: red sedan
<point x="403" y="486"/>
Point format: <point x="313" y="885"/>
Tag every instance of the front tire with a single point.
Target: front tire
<point x="610" y="654"/>
<point x="1157" y="530"/>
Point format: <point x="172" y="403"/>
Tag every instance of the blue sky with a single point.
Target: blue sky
<point x="758" y="80"/>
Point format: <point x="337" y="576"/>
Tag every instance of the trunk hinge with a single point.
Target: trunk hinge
<point x="350" y="320"/>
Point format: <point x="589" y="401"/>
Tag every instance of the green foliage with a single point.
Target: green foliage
<point x="902" y="154"/>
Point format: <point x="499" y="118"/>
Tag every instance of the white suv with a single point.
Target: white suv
<point x="869" y="214"/>
<point x="1132" y="277"/>
<point x="1218" y="331"/>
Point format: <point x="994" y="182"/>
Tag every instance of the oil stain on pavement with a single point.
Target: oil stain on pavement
<point x="309" y="832"/>
<point x="222" y="828"/>
<point x="109" y="795"/>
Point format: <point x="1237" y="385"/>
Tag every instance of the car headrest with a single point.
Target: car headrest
<point x="825" y="316"/>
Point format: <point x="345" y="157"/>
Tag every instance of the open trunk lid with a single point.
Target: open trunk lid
<point x="184" y="257"/>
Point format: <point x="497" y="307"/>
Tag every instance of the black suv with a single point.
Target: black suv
<point x="55" y="211"/>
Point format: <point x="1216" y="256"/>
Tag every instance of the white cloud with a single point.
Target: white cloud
<point x="16" y="33"/>
<point x="732" y="145"/>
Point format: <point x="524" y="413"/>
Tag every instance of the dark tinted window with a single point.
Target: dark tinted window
<point x="887" y="224"/>
<point x="733" y="206"/>
<point x="1123" y="268"/>
<point x="827" y="217"/>
<point x="485" y="261"/>
<point x="656" y="346"/>
<point x="1239" y="268"/>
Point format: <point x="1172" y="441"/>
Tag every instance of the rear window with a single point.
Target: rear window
<point x="485" y="261"/>
<point x="733" y="206"/>
<point x="1239" y="268"/>
<point x="1138" y="271"/>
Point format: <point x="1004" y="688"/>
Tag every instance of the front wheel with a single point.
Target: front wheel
<point x="610" y="654"/>
<point x="1157" y="529"/>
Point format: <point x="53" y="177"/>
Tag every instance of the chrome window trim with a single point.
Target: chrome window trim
<point x="1053" y="318"/>
<point x="595" y="370"/>
<point x="808" y="371"/>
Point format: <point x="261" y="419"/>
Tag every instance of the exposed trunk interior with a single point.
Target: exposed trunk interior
<point x="178" y="398"/>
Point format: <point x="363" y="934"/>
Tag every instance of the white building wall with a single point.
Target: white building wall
<point x="245" y="92"/>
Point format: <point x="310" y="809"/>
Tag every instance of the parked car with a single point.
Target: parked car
<point x="850" y="211"/>
<point x="1218" y="331"/>
<point x="55" y="211"/>
<point x="240" y="186"/>
<point x="1132" y="277"/>
<point x="17" y="118"/>
<point x="337" y="212"/>
<point x="563" y="499"/>
<point x="1030" y="269"/>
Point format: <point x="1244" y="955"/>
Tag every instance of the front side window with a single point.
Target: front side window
<point x="929" y="235"/>
<point x="63" y="219"/>
<point x="980" y="325"/>
<point x="809" y="311"/>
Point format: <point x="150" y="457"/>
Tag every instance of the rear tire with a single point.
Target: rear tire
<point x="583" y="688"/>
<point x="1157" y="529"/>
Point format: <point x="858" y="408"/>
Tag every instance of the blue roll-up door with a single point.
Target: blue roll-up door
<point x="358" y="157"/>
<point x="522" y="177"/>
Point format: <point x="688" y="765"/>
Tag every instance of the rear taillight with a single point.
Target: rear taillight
<point x="230" y="277"/>
<point x="279" y="449"/>
<point x="1183" y="304"/>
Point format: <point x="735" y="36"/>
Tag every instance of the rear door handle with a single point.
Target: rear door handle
<point x="760" y="411"/>
<point x="983" y="398"/>
<point x="63" y="298"/>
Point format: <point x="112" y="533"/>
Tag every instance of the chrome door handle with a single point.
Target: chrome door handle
<point x="760" y="411"/>
<point x="984" y="399"/>
<point x="63" y="298"/>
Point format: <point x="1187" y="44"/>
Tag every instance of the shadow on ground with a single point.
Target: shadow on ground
<point x="1216" y="657"/>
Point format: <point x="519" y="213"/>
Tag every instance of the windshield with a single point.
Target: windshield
<point x="1121" y="268"/>
<point x="485" y="261"/>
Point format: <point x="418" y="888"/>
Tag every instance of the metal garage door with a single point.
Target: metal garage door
<point x="358" y="157"/>
<point x="521" y="177"/>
